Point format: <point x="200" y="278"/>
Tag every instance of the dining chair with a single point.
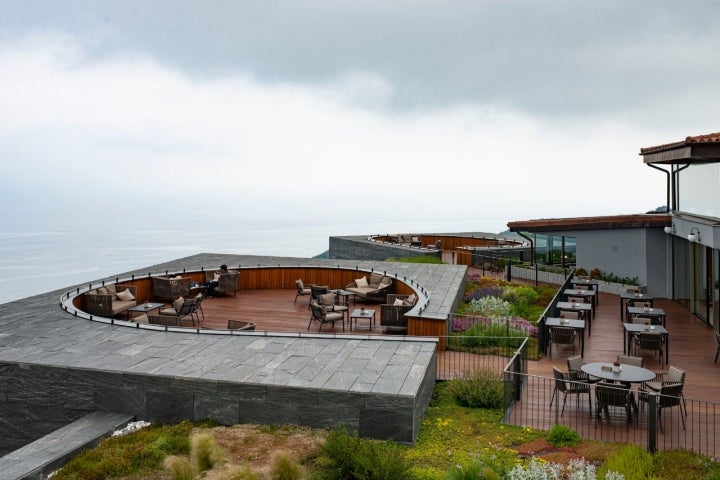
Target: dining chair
<point x="562" y="336"/>
<point x="670" y="395"/>
<point x="571" y="314"/>
<point x="630" y="360"/>
<point x="612" y="395"/>
<point x="575" y="364"/>
<point x="649" y="341"/>
<point x="567" y="384"/>
<point x="639" y="319"/>
<point x="674" y="374"/>
<point x="577" y="299"/>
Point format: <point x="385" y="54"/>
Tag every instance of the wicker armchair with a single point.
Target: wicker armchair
<point x="392" y="313"/>
<point x="227" y="282"/>
<point x="170" y="288"/>
<point x="240" y="325"/>
<point x="319" y="314"/>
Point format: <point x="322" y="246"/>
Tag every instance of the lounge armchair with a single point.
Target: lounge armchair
<point x="375" y="289"/>
<point x="166" y="320"/>
<point x="321" y="315"/>
<point x="105" y="302"/>
<point x="181" y="308"/>
<point x="170" y="288"/>
<point x="227" y="282"/>
<point x="302" y="290"/>
<point x="392" y="313"/>
<point x="240" y="325"/>
<point x="332" y="303"/>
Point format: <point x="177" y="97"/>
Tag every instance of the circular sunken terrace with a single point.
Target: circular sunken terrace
<point x="262" y="276"/>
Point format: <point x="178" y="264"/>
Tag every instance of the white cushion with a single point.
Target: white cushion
<point x="361" y="282"/>
<point x="125" y="295"/>
<point x="216" y="277"/>
<point x="399" y="302"/>
<point x="410" y="300"/>
<point x="141" y="318"/>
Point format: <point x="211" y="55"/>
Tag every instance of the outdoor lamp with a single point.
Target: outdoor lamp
<point x="694" y="235"/>
<point x="670" y="229"/>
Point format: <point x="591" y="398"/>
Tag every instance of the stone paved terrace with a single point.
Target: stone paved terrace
<point x="56" y="368"/>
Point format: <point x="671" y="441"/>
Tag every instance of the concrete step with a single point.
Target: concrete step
<point x="41" y="457"/>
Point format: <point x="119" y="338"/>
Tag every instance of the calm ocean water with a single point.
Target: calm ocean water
<point x="39" y="261"/>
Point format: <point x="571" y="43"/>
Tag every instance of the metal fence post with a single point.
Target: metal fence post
<point x="652" y="421"/>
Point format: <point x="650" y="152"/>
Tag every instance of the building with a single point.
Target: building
<point x="692" y="169"/>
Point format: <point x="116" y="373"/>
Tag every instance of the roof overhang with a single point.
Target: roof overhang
<point x="697" y="149"/>
<point x="546" y="225"/>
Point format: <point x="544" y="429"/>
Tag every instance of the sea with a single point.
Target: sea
<point x="40" y="260"/>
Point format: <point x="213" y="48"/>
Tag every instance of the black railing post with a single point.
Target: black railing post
<point x="652" y="421"/>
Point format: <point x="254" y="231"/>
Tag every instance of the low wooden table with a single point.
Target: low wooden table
<point x="145" y="308"/>
<point x="363" y="313"/>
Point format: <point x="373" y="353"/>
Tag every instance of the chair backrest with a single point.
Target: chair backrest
<point x="317" y="290"/>
<point x="670" y="394"/>
<point x="634" y="290"/>
<point x="577" y="299"/>
<point x="240" y="325"/>
<point x="166" y="320"/>
<point x="628" y="360"/>
<point x="571" y="314"/>
<point x="649" y="341"/>
<point x="642" y="320"/>
<point x="318" y="312"/>
<point x="562" y="335"/>
<point x="187" y="308"/>
<point x="299" y="285"/>
<point x="580" y="286"/>
<point x="575" y="362"/>
<point x="612" y="394"/>
<point x="326" y="299"/>
<point x="675" y="375"/>
<point x="559" y="379"/>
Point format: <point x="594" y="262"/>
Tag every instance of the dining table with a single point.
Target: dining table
<point x="585" y="308"/>
<point x="578" y="325"/>
<point x="633" y="328"/>
<point x="657" y="315"/>
<point x="589" y="283"/>
<point x="627" y="296"/>
<point x="625" y="374"/>
<point x="590" y="296"/>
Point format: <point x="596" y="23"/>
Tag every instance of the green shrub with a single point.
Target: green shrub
<point x="179" y="468"/>
<point x="482" y="389"/>
<point x="682" y="464"/>
<point x="633" y="462"/>
<point x="349" y="457"/>
<point x="285" y="467"/>
<point x="562" y="436"/>
<point x="496" y="333"/>
<point x="473" y="471"/>
<point x="204" y="452"/>
<point x="422" y="259"/>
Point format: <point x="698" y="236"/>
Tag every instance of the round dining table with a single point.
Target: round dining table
<point x="627" y="374"/>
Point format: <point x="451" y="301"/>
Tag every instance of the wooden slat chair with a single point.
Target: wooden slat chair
<point x="567" y="384"/>
<point x="649" y="341"/>
<point x="562" y="336"/>
<point x="669" y="396"/>
<point x="612" y="395"/>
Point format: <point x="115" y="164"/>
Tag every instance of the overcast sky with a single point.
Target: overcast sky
<point x="320" y="110"/>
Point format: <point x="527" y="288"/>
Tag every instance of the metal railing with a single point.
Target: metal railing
<point x="532" y="401"/>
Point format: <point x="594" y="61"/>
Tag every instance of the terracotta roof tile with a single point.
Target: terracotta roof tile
<point x="644" y="220"/>
<point x="707" y="138"/>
